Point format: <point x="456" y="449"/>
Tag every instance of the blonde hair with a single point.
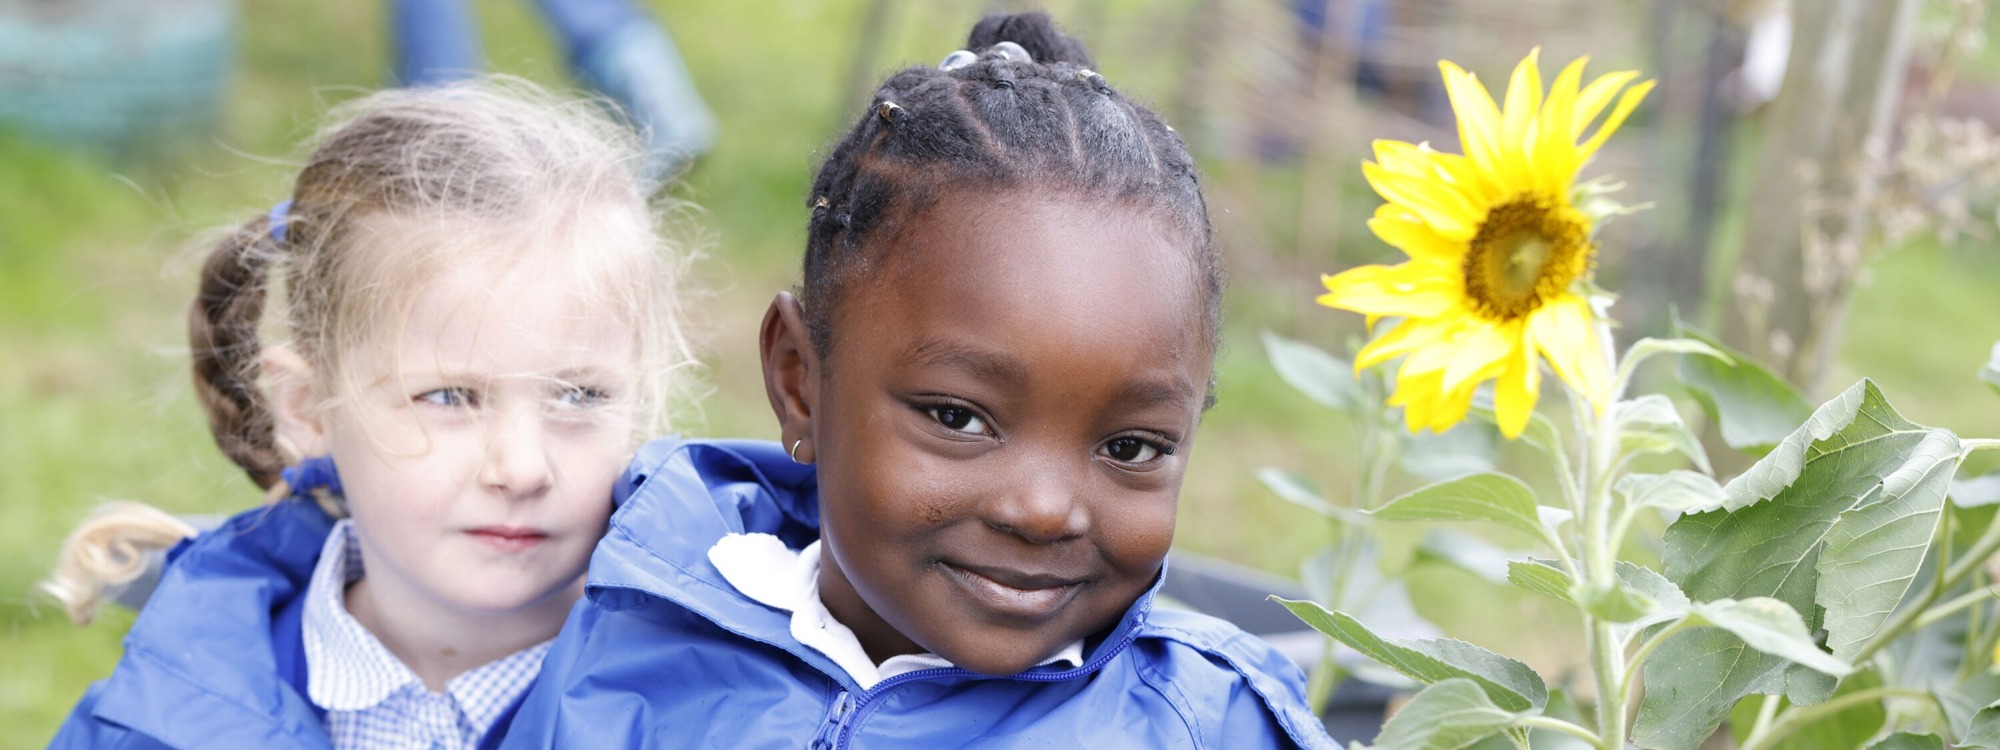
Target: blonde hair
<point x="475" y="161"/>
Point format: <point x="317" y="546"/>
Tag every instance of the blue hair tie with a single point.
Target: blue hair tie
<point x="278" y="217"/>
<point x="311" y="474"/>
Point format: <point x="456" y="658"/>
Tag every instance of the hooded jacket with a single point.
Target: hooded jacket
<point x="217" y="657"/>
<point x="663" y="652"/>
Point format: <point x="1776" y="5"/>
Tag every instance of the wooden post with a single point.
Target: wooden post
<point x="1807" y="221"/>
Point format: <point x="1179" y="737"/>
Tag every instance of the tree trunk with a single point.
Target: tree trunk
<point x="1816" y="169"/>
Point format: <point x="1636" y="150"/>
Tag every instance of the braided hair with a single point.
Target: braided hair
<point x="1049" y="124"/>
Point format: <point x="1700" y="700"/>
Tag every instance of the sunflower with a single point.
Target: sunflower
<point x="1500" y="254"/>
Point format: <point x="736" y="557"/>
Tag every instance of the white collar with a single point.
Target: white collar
<point x="762" y="568"/>
<point x="348" y="668"/>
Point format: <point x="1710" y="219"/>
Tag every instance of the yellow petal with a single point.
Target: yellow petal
<point x="1451" y="406"/>
<point x="1415" y="394"/>
<point x="1626" y="104"/>
<point x="1555" y="146"/>
<point x="1478" y="354"/>
<point x="1514" y="395"/>
<point x="1524" y="102"/>
<point x="1478" y="119"/>
<point x="1406" y="336"/>
<point x="1406" y="290"/>
<point x="1404" y="158"/>
<point x="1565" y="331"/>
<point x="1416" y="238"/>
<point x="1593" y="98"/>
<point x="1443" y="208"/>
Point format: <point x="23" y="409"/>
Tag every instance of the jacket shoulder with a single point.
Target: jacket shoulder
<point x="1233" y="689"/>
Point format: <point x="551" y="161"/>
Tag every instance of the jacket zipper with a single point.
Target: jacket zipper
<point x="844" y="731"/>
<point x="831" y="728"/>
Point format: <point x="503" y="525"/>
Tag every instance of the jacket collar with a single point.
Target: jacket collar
<point x="207" y="664"/>
<point x="681" y="496"/>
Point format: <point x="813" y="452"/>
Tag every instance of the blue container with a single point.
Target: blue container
<point x="114" y="75"/>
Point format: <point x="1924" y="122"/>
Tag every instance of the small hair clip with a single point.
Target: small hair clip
<point x="280" y="216"/>
<point x="819" y="203"/>
<point x="1013" y="51"/>
<point x="888" y="111"/>
<point x="957" y="59"/>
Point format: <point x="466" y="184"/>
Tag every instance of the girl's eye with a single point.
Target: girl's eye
<point x="450" y="398"/>
<point x="958" y="419"/>
<point x="1133" y="450"/>
<point x="581" y="396"/>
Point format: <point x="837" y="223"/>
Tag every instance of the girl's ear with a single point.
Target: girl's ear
<point x="791" y="374"/>
<point x="295" y="403"/>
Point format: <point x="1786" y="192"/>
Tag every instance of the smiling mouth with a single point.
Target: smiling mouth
<point x="509" y="538"/>
<point x="1014" y="594"/>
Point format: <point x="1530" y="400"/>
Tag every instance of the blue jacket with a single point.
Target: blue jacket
<point x="216" y="658"/>
<point x="663" y="652"/>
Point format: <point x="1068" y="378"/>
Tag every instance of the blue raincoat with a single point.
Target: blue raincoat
<point x="216" y="658"/>
<point x="662" y="652"/>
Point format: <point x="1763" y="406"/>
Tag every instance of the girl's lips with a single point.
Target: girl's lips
<point x="509" y="538"/>
<point x="1023" y="597"/>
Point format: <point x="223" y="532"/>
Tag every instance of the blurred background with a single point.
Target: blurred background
<point x="1833" y="219"/>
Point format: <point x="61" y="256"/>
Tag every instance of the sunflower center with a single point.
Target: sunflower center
<point x="1526" y="253"/>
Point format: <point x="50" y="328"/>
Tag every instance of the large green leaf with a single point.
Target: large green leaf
<point x="1490" y="497"/>
<point x="1449" y="715"/>
<point x="1509" y="683"/>
<point x="1770" y="626"/>
<point x="1754" y="408"/>
<point x="1322" y="377"/>
<point x="1838" y="516"/>
<point x="1909" y="741"/>
<point x="1650" y="424"/>
<point x="1962" y="703"/>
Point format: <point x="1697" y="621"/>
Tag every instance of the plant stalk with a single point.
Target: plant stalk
<point x="1801" y="716"/>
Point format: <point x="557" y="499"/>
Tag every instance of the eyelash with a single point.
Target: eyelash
<point x="937" y="412"/>
<point x="1161" y="449"/>
<point x="569" y="397"/>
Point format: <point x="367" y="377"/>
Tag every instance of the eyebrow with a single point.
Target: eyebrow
<point x="985" y="364"/>
<point x="996" y="367"/>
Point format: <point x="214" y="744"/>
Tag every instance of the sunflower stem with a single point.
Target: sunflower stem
<point x="1594" y="523"/>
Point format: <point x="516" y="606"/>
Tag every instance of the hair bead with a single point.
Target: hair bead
<point x="888" y="111"/>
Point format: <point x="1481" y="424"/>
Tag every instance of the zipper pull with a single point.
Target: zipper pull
<point x="836" y="720"/>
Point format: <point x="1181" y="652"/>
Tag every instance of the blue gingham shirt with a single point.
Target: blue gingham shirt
<point x="372" y="699"/>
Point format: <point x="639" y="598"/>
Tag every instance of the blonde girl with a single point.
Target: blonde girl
<point x="481" y="322"/>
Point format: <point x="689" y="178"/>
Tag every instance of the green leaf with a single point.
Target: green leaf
<point x="1490" y="497"/>
<point x="1674" y="491"/>
<point x="1298" y="490"/>
<point x="1612" y="603"/>
<point x="1542" y="577"/>
<point x="1770" y="626"/>
<point x="1650" y="424"/>
<point x="1509" y="683"/>
<point x="1990" y="372"/>
<point x="1645" y="348"/>
<point x="1754" y="408"/>
<point x="1976" y="491"/>
<point x="1985" y="730"/>
<point x="1449" y="715"/>
<point x="1837" y="519"/>
<point x="1668" y="601"/>
<point x="1322" y="377"/>
<point x="1962" y="703"/>
<point x="1909" y="741"/>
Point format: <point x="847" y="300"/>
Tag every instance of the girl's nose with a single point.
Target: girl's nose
<point x="517" y="461"/>
<point x="1045" y="505"/>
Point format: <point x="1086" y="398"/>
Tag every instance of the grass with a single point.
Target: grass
<point x="95" y="274"/>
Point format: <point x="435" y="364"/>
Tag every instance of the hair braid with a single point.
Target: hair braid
<point x="222" y="329"/>
<point x="1049" y="124"/>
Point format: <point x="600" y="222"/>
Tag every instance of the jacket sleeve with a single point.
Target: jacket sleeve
<point x="84" y="731"/>
<point x="1234" y="690"/>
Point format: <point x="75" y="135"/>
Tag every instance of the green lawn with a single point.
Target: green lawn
<point x="96" y="269"/>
